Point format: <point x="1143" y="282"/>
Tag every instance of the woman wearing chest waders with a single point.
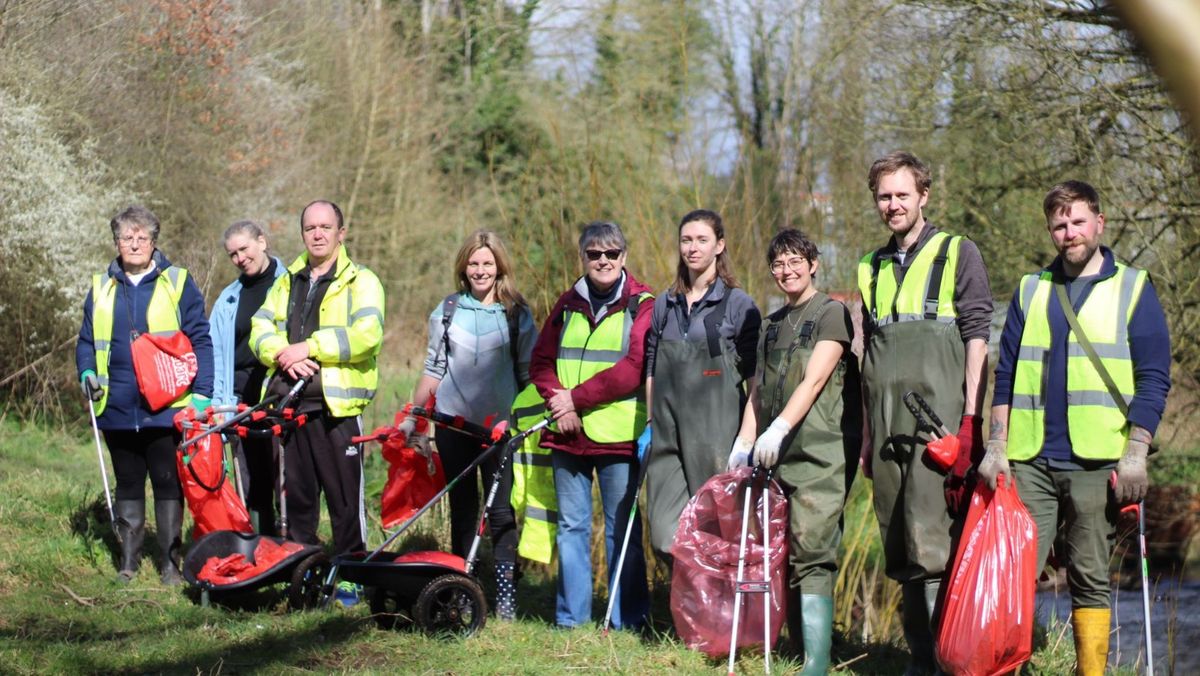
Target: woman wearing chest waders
<point x="700" y="353"/>
<point x="807" y="413"/>
<point x="480" y="339"/>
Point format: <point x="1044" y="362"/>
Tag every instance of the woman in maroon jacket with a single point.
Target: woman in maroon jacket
<point x="587" y="365"/>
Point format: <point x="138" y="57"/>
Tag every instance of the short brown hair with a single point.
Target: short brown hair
<point x="1067" y="193"/>
<point x="895" y="161"/>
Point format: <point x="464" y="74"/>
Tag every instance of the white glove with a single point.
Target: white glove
<point x="995" y="462"/>
<point x="740" y="455"/>
<point x="766" y="449"/>
<point x="408" y="427"/>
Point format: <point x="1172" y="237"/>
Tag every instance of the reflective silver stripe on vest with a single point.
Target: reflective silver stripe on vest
<point x="911" y="317"/>
<point x="1125" y="300"/>
<point x="1103" y="350"/>
<point x="1031" y="353"/>
<point x="1025" y="402"/>
<point x="100" y="345"/>
<point x="541" y="514"/>
<point x="348" y="392"/>
<point x="1091" y="398"/>
<point x="367" y="312"/>
<point x="164" y="333"/>
<point x="1027" y="290"/>
<point x="590" y="354"/>
<point x="264" y="313"/>
<point x="343" y="340"/>
<point x="532" y="459"/>
<point x="103" y="379"/>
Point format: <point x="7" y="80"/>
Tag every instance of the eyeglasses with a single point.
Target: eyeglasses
<point x="130" y="240"/>
<point x="791" y="264"/>
<point x="610" y="254"/>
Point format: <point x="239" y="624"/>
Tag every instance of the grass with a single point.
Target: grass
<point x="62" y="611"/>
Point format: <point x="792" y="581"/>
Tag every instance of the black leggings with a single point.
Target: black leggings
<point x="457" y="451"/>
<point x="136" y="453"/>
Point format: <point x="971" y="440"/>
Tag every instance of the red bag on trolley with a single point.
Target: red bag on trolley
<point x="706" y="564"/>
<point x="210" y="498"/>
<point x="987" y="618"/>
<point x="412" y="481"/>
<point x="165" y="367"/>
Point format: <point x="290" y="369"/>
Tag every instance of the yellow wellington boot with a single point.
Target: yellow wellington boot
<point x="1091" y="640"/>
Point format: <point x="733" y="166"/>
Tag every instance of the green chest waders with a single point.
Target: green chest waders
<point x="818" y="459"/>
<point x="697" y="408"/>
<point x="927" y="357"/>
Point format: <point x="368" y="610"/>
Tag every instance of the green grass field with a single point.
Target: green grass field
<point x="62" y="611"/>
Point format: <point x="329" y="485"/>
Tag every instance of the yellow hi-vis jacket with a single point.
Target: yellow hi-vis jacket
<point x="347" y="338"/>
<point x="533" y="482"/>
<point x="911" y="300"/>
<point x="162" y="319"/>
<point x="1097" y="427"/>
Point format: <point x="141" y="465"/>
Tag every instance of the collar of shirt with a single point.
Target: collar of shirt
<point x="891" y="250"/>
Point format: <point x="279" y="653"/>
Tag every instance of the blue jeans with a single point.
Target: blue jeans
<point x="573" y="485"/>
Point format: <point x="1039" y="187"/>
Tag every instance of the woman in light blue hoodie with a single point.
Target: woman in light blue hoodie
<point x="238" y="374"/>
<point x="480" y="340"/>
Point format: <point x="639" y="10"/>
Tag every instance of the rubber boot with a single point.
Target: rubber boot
<point x="168" y="518"/>
<point x="919" y="599"/>
<point x="506" y="590"/>
<point x="131" y="528"/>
<point x="817" y="626"/>
<point x="1091" y="640"/>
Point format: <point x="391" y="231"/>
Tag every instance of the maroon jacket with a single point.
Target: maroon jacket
<point x="615" y="382"/>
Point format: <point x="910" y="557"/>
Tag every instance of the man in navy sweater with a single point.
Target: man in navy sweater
<point x="1064" y="421"/>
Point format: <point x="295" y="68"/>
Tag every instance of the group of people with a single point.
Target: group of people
<point x="698" y="376"/>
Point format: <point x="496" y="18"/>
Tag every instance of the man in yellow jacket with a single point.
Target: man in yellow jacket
<point x="323" y="320"/>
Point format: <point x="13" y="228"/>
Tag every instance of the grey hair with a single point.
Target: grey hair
<point x="252" y="228"/>
<point x="601" y="232"/>
<point x="135" y="216"/>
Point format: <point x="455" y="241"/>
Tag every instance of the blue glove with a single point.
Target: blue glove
<point x="200" y="403"/>
<point x="643" y="444"/>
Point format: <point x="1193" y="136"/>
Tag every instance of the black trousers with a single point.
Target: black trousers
<point x="146" y="451"/>
<point x="260" y="478"/>
<point x="457" y="451"/>
<point x="319" y="458"/>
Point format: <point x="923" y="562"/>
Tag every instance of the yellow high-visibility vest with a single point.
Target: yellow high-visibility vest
<point x="913" y="299"/>
<point x="582" y="353"/>
<point x="162" y="319"/>
<point x="1098" y="428"/>
<point x="533" y="482"/>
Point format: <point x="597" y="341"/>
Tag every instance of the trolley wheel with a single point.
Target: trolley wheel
<point x="304" y="593"/>
<point x="451" y="604"/>
<point x="390" y="608"/>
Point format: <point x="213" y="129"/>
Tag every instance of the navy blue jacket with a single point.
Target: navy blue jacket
<point x="126" y="409"/>
<point x="1149" y="347"/>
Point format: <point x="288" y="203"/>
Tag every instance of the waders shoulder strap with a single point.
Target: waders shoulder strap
<point x="712" y="321"/>
<point x="933" y="291"/>
<point x="873" y="311"/>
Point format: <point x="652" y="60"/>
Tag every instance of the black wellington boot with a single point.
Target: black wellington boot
<point x="131" y="528"/>
<point x="168" y="517"/>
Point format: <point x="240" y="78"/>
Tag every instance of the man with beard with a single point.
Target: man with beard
<point x="1078" y="397"/>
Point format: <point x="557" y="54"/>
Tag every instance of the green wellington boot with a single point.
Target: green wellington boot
<point x="817" y="625"/>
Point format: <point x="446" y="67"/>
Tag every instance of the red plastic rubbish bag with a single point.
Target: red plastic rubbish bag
<point x="706" y="564"/>
<point x="165" y="367"/>
<point x="236" y="568"/>
<point x="987" y="619"/>
<point x="213" y="502"/>
<point x="412" y="481"/>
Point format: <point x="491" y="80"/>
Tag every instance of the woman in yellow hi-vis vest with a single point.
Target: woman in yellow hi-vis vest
<point x="141" y="292"/>
<point x="587" y="365"/>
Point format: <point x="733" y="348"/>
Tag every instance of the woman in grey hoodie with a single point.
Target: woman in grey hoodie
<point x="480" y="340"/>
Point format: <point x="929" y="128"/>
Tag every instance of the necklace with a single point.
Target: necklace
<point x="800" y="313"/>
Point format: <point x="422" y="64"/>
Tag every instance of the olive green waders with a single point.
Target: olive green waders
<point x="696" y="405"/>
<point x="816" y="469"/>
<point x="927" y="357"/>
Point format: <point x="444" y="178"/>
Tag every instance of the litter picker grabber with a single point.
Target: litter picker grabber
<point x="943" y="444"/>
<point x="615" y="584"/>
<point x="762" y="586"/>
<point x="112" y="519"/>
<point x="1139" y="508"/>
<point x="505" y="456"/>
<point x="252" y="413"/>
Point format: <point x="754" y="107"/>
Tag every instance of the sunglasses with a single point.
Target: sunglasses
<point x="610" y="254"/>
